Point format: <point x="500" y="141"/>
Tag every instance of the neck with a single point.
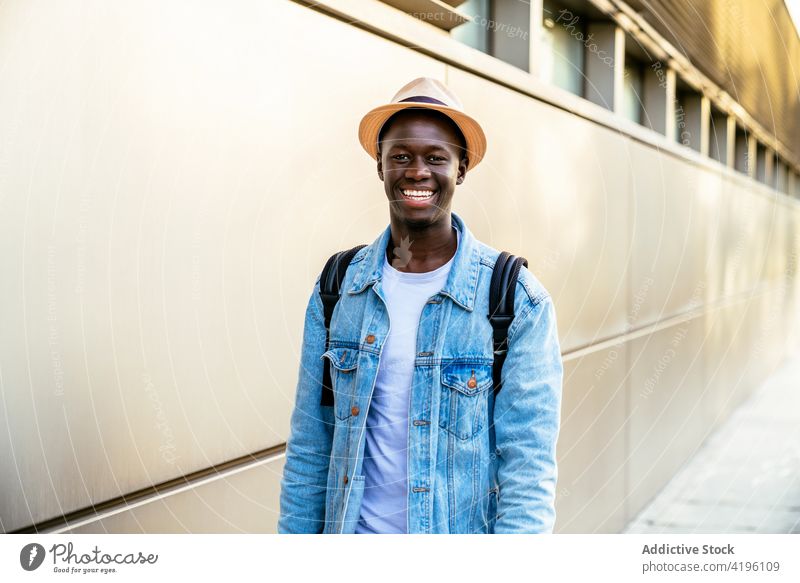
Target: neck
<point x="419" y="250"/>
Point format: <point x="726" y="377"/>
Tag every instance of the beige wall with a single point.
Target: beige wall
<point x="172" y="178"/>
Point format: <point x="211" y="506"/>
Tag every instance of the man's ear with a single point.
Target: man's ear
<point x="380" y="165"/>
<point x="462" y="169"/>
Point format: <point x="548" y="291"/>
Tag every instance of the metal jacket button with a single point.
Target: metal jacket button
<point x="345" y="479"/>
<point x="471" y="383"/>
<point x="355" y="410"/>
<point x="370" y="339"/>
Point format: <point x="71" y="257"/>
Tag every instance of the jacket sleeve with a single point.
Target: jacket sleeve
<point x="308" y="449"/>
<point x="527" y="417"/>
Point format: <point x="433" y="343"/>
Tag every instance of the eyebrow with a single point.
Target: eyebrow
<point x="403" y="145"/>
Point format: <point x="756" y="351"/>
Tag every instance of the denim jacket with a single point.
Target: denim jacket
<point x="458" y="482"/>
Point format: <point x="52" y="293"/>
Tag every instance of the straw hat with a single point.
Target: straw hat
<point x="430" y="94"/>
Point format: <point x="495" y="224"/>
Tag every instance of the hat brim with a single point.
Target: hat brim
<point x="371" y="125"/>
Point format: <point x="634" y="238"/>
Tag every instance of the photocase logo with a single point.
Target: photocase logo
<point x="31" y="556"/>
<point x="402" y="253"/>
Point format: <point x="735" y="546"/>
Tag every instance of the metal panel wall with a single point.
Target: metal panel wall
<point x="174" y="177"/>
<point x="241" y="501"/>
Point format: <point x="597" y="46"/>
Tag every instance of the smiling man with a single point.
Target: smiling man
<point x="418" y="439"/>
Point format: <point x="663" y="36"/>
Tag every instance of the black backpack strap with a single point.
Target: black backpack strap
<point x="329" y="284"/>
<point x="501" y="314"/>
<point x="501" y="307"/>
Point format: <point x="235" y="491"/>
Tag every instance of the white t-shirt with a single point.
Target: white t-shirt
<point x="384" y="507"/>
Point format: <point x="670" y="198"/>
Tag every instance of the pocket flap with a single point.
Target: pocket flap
<point x="343" y="359"/>
<point x="467" y="378"/>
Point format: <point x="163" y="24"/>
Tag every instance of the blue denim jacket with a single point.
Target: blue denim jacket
<point x="457" y="481"/>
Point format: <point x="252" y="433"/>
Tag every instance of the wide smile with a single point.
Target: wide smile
<point x="418" y="197"/>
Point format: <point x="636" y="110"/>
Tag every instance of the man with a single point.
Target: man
<point x="406" y="446"/>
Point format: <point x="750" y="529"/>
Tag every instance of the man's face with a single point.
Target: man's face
<point x="419" y="154"/>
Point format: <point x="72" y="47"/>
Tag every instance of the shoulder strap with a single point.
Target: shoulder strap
<point x="329" y="283"/>
<point x="501" y="307"/>
<point x="501" y="314"/>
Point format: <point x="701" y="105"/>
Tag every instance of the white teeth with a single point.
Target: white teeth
<point x="418" y="194"/>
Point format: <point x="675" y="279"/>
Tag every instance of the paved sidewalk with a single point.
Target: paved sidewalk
<point x="746" y="477"/>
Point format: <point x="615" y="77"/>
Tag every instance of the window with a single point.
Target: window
<point x="562" y="36"/>
<point x="633" y="86"/>
<point x="781" y="176"/>
<point x="718" y="136"/>
<point x="509" y="36"/>
<point x="476" y="32"/>
<point x="763" y="164"/>
<point x="742" y="156"/>
<point x="500" y="28"/>
<point x="688" y="117"/>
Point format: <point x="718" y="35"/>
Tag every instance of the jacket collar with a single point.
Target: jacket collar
<point x="462" y="282"/>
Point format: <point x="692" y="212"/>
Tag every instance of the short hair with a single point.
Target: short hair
<point x="432" y="113"/>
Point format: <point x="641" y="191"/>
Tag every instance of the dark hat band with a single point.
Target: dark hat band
<point x="423" y="99"/>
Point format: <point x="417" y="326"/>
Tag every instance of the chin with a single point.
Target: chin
<point x="417" y="224"/>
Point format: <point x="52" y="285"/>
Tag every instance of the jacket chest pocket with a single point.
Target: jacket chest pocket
<point x="344" y="369"/>
<point x="463" y="406"/>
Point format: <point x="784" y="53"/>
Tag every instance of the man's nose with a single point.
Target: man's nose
<point x="418" y="170"/>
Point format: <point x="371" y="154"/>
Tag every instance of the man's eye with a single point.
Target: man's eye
<point x="399" y="156"/>
<point x="437" y="158"/>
